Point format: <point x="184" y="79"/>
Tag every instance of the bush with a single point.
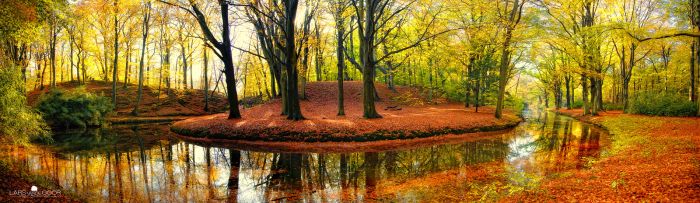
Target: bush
<point x="19" y="123"/>
<point x="613" y="106"/>
<point x="577" y="104"/>
<point x="661" y="104"/>
<point x="516" y="104"/>
<point x="76" y="108"/>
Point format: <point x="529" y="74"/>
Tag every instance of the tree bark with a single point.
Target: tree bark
<point x="693" y="92"/>
<point x="206" y="79"/>
<point x="584" y="94"/>
<point x="116" y="54"/>
<point x="291" y="57"/>
<point x="568" y="92"/>
<point x="340" y="33"/>
<point x="513" y="20"/>
<point x="146" y="19"/>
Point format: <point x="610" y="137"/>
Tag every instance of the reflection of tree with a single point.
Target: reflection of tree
<point x="390" y="162"/>
<point x="234" y="164"/>
<point x="371" y="172"/>
<point x="484" y="151"/>
<point x="176" y="174"/>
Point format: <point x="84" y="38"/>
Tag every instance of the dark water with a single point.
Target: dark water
<point x="144" y="163"/>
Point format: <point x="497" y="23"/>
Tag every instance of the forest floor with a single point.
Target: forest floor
<point x="407" y="113"/>
<point x="650" y="159"/>
<point x="163" y="105"/>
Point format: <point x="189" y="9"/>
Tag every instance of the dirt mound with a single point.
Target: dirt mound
<point x="155" y="102"/>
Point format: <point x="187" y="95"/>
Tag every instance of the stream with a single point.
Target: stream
<point x="146" y="163"/>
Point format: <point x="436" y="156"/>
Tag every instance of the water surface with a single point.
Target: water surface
<point x="145" y="163"/>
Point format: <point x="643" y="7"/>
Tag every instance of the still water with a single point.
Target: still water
<point x="145" y="163"/>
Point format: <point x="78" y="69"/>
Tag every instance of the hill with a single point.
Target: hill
<point x="406" y="114"/>
<point x="164" y="102"/>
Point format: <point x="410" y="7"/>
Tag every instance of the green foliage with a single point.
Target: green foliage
<point x="613" y="106"/>
<point x="19" y="123"/>
<point x="577" y="104"/>
<point x="76" y="108"/>
<point x="516" y="104"/>
<point x="662" y="104"/>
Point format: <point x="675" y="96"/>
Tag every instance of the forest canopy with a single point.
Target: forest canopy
<point x="596" y="54"/>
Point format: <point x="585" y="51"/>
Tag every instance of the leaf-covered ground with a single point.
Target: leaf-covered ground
<point x="651" y="159"/>
<point x="406" y="114"/>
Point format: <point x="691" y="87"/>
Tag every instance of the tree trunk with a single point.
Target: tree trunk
<point x="146" y="19"/>
<point x="225" y="49"/>
<point x="368" y="62"/>
<point x="568" y="92"/>
<point x="52" y="50"/>
<point x="594" y="96"/>
<point x="584" y="94"/>
<point x="546" y="99"/>
<point x="206" y="79"/>
<point x="116" y="55"/>
<point x="126" y="67"/>
<point x="693" y="92"/>
<point x="319" y="52"/>
<point x="513" y="20"/>
<point x="184" y="64"/>
<point x="340" y="32"/>
<point x="291" y="57"/>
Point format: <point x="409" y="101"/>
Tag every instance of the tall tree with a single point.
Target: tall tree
<point x="371" y="16"/>
<point x="276" y="32"/>
<point x="504" y="69"/>
<point x="223" y="47"/>
<point x="144" y="48"/>
<point x="116" y="53"/>
<point x="339" y="8"/>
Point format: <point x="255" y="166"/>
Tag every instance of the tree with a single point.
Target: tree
<point x="504" y="68"/>
<point x="144" y="37"/>
<point x="339" y="7"/>
<point x="371" y="16"/>
<point x="116" y="54"/>
<point x="275" y="28"/>
<point x="223" y="47"/>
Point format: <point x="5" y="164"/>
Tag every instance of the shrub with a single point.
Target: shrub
<point x="662" y="104"/>
<point x="76" y="108"/>
<point x="577" y="104"/>
<point x="516" y="104"/>
<point x="613" y="106"/>
<point x="19" y="123"/>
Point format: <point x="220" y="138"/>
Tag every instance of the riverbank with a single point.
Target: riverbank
<point x="406" y="115"/>
<point x="650" y="159"/>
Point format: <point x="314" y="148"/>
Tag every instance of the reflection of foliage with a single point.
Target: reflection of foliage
<point x="115" y="138"/>
<point x="75" y="108"/>
<point x="87" y="140"/>
<point x="18" y="122"/>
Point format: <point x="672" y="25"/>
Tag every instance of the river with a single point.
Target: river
<point x="146" y="163"/>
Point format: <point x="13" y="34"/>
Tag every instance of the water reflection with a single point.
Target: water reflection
<point x="144" y="164"/>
